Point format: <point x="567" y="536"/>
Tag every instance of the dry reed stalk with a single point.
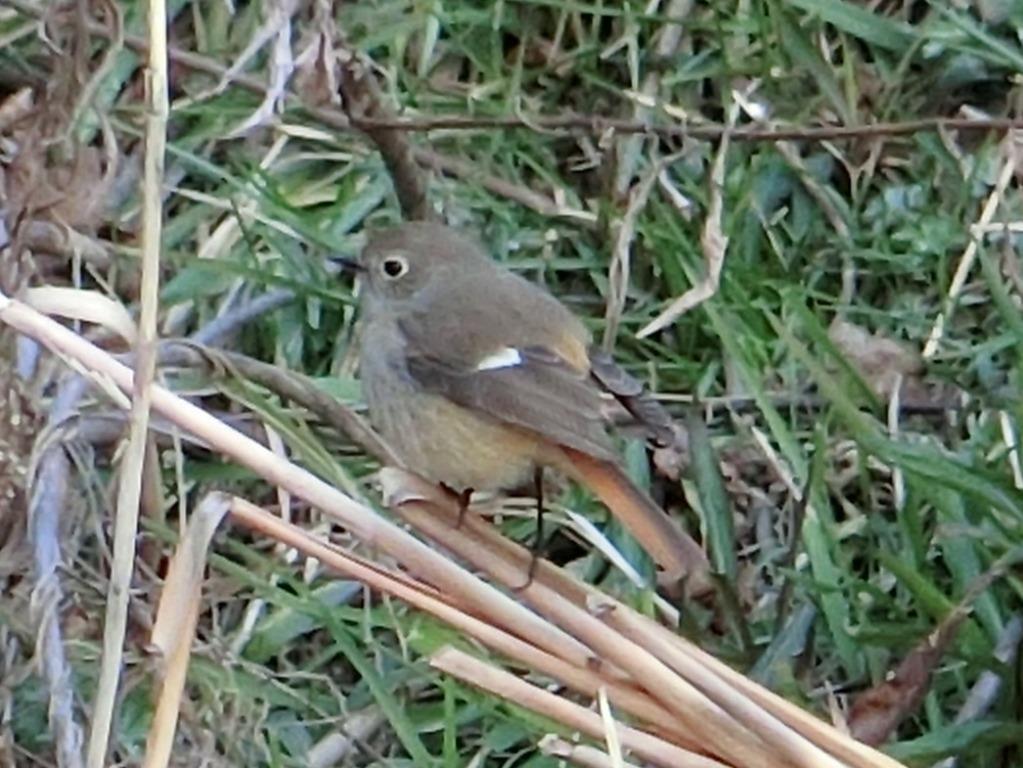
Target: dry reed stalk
<point x="425" y="598"/>
<point x="854" y="753"/>
<point x="711" y="713"/>
<point x="579" y="754"/>
<point x="176" y="621"/>
<point x="506" y="685"/>
<point x="711" y="708"/>
<point x="131" y="470"/>
<point x="362" y="521"/>
<point x="481" y="545"/>
<point x="735" y="692"/>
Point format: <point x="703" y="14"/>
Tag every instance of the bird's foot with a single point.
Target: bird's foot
<point x="537" y="546"/>
<point x="462" y="498"/>
<point x="534" y="559"/>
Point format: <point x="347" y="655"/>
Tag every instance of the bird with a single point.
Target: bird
<point x="479" y="380"/>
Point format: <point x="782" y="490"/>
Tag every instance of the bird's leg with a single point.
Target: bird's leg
<point x="463" y="505"/>
<point x="534" y="550"/>
<point x="462" y="497"/>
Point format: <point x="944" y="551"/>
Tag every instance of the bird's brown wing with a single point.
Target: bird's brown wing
<point x="540" y="393"/>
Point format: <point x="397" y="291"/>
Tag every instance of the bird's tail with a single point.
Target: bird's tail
<point x="673" y="549"/>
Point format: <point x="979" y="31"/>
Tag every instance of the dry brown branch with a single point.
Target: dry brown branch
<point x="363" y="103"/>
<point x="598" y="125"/>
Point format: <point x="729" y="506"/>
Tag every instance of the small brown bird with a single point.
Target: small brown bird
<point x="476" y="377"/>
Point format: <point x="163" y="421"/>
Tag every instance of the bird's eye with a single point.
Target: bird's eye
<point x="394" y="266"/>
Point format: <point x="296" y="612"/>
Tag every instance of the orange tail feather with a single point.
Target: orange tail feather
<point x="671" y="547"/>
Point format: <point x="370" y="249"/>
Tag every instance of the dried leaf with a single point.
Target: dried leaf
<point x="399" y="487"/>
<point x="880" y="361"/>
<point x="878" y="711"/>
<point x="179" y="601"/>
<point x="79" y="304"/>
<point x="16" y="107"/>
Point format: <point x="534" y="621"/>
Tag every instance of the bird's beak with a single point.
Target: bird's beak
<point x="346" y="265"/>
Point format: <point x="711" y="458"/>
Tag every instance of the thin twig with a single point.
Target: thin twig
<point x="598" y="125"/>
<point x="131" y="470"/>
<point x="591" y="124"/>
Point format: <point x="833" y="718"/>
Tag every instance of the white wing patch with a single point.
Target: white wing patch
<point x="506" y="357"/>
